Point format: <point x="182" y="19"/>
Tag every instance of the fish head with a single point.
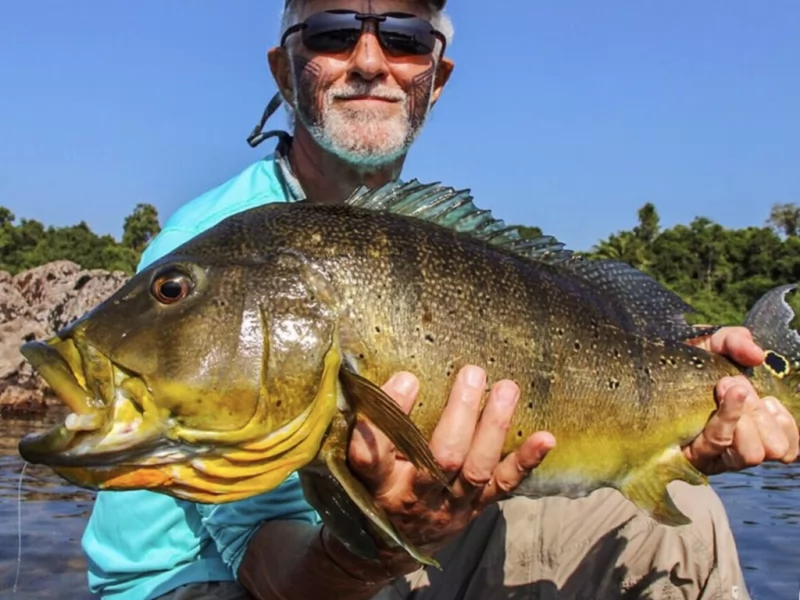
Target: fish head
<point x="175" y="369"/>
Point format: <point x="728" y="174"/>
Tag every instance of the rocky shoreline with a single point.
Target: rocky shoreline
<point x="34" y="304"/>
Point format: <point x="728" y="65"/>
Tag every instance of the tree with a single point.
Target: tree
<point x="785" y="218"/>
<point x="30" y="244"/>
<point x="140" y="227"/>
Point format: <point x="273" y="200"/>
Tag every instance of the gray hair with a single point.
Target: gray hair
<point x="439" y="19"/>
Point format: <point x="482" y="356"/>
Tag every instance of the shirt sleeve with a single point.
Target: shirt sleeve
<point x="163" y="243"/>
<point x="233" y="525"/>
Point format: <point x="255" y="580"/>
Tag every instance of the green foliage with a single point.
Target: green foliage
<point x="29" y="243"/>
<point x="719" y="271"/>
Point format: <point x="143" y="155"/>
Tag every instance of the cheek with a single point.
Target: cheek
<point x="313" y="77"/>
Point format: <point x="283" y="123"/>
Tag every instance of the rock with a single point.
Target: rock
<point x="35" y="304"/>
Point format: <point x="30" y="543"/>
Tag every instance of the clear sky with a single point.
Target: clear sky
<point x="565" y="114"/>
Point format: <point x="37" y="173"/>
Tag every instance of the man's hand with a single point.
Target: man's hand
<point x="745" y="430"/>
<point x="467" y="443"/>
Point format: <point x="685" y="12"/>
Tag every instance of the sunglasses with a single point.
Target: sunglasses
<point x="339" y="31"/>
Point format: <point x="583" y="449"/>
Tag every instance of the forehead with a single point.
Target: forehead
<point x="414" y="7"/>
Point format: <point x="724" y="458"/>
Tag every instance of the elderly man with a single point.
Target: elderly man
<point x="360" y="77"/>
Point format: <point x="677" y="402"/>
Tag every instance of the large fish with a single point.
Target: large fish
<point x="247" y="353"/>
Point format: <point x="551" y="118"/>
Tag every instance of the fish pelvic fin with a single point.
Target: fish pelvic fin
<point x="770" y="321"/>
<point x="338" y="512"/>
<point x="646" y="485"/>
<point x="349" y="495"/>
<point x="455" y="209"/>
<point x="372" y="402"/>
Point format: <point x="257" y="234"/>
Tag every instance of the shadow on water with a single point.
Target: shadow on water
<point x="763" y="505"/>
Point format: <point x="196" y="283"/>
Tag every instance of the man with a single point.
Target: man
<point x="360" y="89"/>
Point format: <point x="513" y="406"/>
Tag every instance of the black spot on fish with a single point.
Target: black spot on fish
<point x="429" y="338"/>
<point x="613" y="384"/>
<point x="698" y="362"/>
<point x="776" y="363"/>
<point x="519" y="434"/>
<point x="377" y="330"/>
<point x="577" y="345"/>
<point x="616" y="353"/>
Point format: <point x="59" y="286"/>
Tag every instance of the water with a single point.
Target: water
<point x="763" y="505"/>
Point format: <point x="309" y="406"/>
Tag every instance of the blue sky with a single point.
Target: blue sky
<point x="565" y="114"/>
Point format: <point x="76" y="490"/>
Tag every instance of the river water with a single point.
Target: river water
<point x="763" y="505"/>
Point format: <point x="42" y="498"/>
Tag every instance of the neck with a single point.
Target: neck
<point x="328" y="179"/>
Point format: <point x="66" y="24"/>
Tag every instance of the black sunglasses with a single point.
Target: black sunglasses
<point x="339" y="31"/>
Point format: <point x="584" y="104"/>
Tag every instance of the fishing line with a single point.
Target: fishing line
<point x="19" y="526"/>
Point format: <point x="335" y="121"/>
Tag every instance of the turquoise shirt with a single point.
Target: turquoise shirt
<point x="140" y="544"/>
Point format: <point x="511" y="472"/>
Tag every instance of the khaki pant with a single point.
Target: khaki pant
<point x="594" y="548"/>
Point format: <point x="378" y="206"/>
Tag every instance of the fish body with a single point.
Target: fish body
<point x="248" y="353"/>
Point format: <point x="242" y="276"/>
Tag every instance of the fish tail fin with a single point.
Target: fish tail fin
<point x="770" y="321"/>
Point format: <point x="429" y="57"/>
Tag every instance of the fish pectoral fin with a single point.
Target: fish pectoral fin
<point x="646" y="486"/>
<point x="370" y="509"/>
<point x="372" y="402"/>
<point x="338" y="512"/>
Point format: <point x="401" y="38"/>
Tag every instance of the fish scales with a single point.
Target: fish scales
<point x="413" y="294"/>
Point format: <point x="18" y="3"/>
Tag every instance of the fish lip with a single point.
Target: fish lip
<point x="55" y="448"/>
<point x="53" y="367"/>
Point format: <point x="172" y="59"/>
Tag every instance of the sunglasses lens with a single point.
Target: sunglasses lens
<point x="331" y="32"/>
<point x="406" y="38"/>
<point x="340" y="32"/>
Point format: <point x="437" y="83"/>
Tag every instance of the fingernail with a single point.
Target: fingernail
<point x="404" y="383"/>
<point x="771" y="405"/>
<point x="507" y="394"/>
<point x="474" y="377"/>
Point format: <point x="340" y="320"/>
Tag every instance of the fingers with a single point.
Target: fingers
<point x="371" y="453"/>
<point x="788" y="426"/>
<point x="720" y="430"/>
<point x="747" y="449"/>
<point x="487" y="443"/>
<point x="516" y="466"/>
<point x="737" y="344"/>
<point x="768" y="432"/>
<point x="452" y="437"/>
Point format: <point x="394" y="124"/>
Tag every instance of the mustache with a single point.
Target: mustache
<point x="384" y="92"/>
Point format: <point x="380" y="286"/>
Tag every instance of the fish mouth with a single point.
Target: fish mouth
<point x="109" y="422"/>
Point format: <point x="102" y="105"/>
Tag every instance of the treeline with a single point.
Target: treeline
<point x="719" y="271"/>
<point x="28" y="243"/>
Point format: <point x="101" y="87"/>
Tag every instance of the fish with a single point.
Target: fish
<point x="249" y="353"/>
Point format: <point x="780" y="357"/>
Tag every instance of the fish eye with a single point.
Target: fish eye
<point x="171" y="287"/>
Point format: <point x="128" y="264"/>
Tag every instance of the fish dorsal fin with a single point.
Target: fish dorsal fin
<point x="639" y="302"/>
<point x="455" y="210"/>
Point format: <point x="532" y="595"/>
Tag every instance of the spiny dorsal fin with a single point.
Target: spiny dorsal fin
<point x="649" y="307"/>
<point x="455" y="210"/>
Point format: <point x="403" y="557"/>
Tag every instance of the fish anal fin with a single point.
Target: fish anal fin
<point x="646" y="486"/>
<point x="372" y="402"/>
